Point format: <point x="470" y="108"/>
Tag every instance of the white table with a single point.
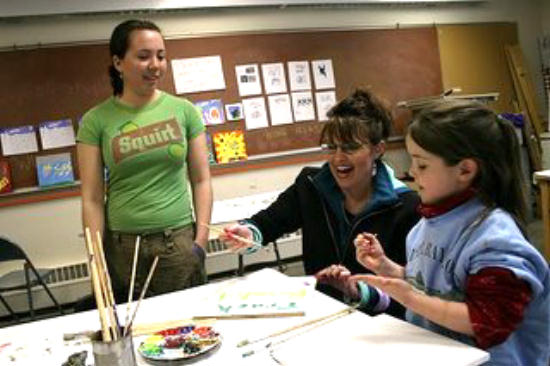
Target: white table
<point x="353" y="339"/>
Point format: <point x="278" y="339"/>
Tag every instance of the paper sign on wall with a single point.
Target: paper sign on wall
<point x="198" y="74"/>
<point x="323" y="74"/>
<point x="18" y="140"/>
<point x="248" y="80"/>
<point x="55" y="134"/>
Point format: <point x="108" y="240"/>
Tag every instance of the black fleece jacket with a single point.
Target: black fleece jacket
<point x="302" y="206"/>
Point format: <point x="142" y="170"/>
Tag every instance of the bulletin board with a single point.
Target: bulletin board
<point x="63" y="82"/>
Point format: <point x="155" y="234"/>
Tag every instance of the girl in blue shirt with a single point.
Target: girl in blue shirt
<point x="471" y="274"/>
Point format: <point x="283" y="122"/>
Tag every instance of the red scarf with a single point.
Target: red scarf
<point x="429" y="211"/>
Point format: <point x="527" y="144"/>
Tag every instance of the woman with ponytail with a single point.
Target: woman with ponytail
<point x="152" y="146"/>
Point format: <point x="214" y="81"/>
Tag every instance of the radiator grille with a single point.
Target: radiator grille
<point x="68" y="273"/>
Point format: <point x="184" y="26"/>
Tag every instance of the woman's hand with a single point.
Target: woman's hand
<point x="237" y="237"/>
<point x="369" y="252"/>
<point x="338" y="277"/>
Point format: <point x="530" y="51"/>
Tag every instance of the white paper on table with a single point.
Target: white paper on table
<point x="325" y="101"/>
<point x="259" y="294"/>
<point x="279" y="109"/>
<point x="323" y="74"/>
<point x="248" y="79"/>
<point x="302" y="105"/>
<point x="255" y="114"/>
<point x="299" y="75"/>
<point x="18" y="140"/>
<point x="56" y="134"/>
<point x="198" y="74"/>
<point x="274" y="78"/>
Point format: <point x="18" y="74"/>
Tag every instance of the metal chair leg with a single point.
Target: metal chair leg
<point x="46" y="288"/>
<point x="282" y="268"/>
<point x="28" y="285"/>
<point x="10" y="310"/>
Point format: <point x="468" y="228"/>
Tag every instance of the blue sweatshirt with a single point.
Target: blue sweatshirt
<point x="443" y="251"/>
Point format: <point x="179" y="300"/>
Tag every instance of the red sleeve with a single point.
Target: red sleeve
<point x="496" y="301"/>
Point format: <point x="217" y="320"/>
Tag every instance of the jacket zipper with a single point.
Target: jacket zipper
<point x="342" y="256"/>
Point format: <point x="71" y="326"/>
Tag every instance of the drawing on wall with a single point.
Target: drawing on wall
<point x="54" y="169"/>
<point x="212" y="111"/>
<point x="210" y="147"/>
<point x="248" y="80"/>
<point x="302" y="105"/>
<point x="255" y="114"/>
<point x="279" y="109"/>
<point x="234" y="111"/>
<point x="198" y="74"/>
<point x="5" y="177"/>
<point x="323" y="74"/>
<point x="229" y="146"/>
<point x="299" y="75"/>
<point x="274" y="78"/>
<point x="325" y="101"/>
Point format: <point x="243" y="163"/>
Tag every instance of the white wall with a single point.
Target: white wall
<point x="49" y="230"/>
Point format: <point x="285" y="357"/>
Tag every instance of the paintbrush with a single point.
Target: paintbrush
<point x="250" y="316"/>
<point x="234" y="236"/>
<point x="332" y="316"/>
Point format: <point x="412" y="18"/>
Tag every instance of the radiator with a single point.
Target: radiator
<point x="71" y="282"/>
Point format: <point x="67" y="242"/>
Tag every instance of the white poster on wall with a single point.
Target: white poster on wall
<point x="299" y="75"/>
<point x="198" y="74"/>
<point x="255" y="114"/>
<point x="248" y="79"/>
<point x="279" y="109"/>
<point x="274" y="78"/>
<point x="18" y="140"/>
<point x="54" y="134"/>
<point x="325" y="101"/>
<point x="323" y="74"/>
<point x="302" y="105"/>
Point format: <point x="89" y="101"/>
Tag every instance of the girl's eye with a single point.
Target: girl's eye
<point x="421" y="167"/>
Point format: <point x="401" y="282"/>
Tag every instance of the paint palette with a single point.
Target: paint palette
<point x="179" y="344"/>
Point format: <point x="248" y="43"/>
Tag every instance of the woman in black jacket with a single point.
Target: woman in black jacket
<point x="352" y="193"/>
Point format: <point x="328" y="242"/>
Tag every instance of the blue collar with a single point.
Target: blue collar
<point x="383" y="191"/>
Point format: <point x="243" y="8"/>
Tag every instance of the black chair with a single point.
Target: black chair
<point x="26" y="278"/>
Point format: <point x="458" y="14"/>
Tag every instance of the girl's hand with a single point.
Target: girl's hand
<point x="369" y="252"/>
<point x="233" y="236"/>
<point x="397" y="288"/>
<point x="338" y="277"/>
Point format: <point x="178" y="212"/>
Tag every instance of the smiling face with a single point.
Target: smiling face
<point x="351" y="164"/>
<point x="143" y="65"/>
<point x="436" y="180"/>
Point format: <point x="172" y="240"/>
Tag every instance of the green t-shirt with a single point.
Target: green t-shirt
<point x="145" y="151"/>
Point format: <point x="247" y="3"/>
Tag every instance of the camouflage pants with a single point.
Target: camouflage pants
<point x="179" y="266"/>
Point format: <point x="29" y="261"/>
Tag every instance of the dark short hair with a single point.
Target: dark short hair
<point x="118" y="45"/>
<point x="360" y="117"/>
<point x="459" y="129"/>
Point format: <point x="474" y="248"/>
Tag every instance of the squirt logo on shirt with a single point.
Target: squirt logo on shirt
<point x="137" y="140"/>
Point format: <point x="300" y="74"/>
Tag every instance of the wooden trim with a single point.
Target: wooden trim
<point x="34" y="195"/>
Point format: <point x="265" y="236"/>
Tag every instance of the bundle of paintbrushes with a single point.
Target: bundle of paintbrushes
<point x="103" y="291"/>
